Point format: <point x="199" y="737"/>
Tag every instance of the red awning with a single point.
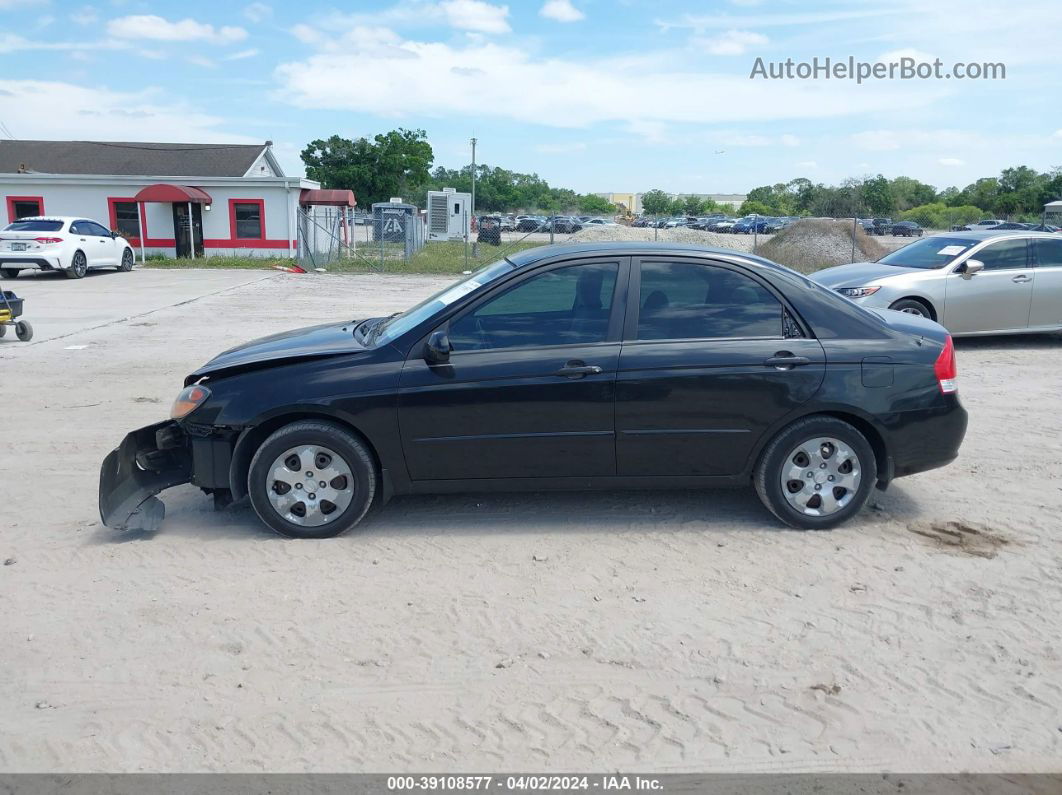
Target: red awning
<point x="165" y="192"/>
<point x="332" y="198"/>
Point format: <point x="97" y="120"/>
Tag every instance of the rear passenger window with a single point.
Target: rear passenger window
<point x="1004" y="255"/>
<point x="1049" y="253"/>
<point x="680" y="300"/>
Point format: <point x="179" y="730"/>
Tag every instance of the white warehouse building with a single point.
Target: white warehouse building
<point x="236" y="196"/>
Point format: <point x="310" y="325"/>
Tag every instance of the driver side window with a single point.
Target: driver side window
<point x="563" y="306"/>
<point x="1004" y="255"/>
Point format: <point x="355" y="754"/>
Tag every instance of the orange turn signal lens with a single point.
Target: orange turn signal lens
<point x="190" y="399"/>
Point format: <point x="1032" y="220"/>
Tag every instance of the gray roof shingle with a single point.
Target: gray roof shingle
<point x="133" y="159"/>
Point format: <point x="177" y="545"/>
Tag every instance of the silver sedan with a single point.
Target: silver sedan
<point x="970" y="282"/>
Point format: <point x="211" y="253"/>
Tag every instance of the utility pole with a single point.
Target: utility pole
<point x="475" y="243"/>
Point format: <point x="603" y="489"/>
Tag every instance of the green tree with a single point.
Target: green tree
<point x="907" y="193"/>
<point x="656" y="202"/>
<point x="391" y="164"/>
<point x="592" y="204"/>
<point x="693" y="205"/>
<point x="876" y="195"/>
<point x="753" y="207"/>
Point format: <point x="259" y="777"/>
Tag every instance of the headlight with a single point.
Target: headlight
<point x="189" y="400"/>
<point x="858" y="292"/>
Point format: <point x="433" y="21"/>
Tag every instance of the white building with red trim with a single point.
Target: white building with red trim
<point x="236" y="196"/>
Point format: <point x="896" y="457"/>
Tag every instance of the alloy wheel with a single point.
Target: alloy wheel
<point x="310" y="485"/>
<point x="821" y="476"/>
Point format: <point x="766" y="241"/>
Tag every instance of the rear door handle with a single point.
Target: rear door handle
<point x="577" y="369"/>
<point x="1021" y="278"/>
<point x="786" y="361"/>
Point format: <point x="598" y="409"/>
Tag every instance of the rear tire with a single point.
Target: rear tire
<point x="127" y="261"/>
<point x="78" y="266"/>
<point x="24" y="331"/>
<point x="9" y="273"/>
<point x="304" y="455"/>
<point x="912" y="306"/>
<point x="818" y="503"/>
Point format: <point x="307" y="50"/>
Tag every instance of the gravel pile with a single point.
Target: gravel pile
<point x="679" y="235"/>
<point x="811" y="245"/>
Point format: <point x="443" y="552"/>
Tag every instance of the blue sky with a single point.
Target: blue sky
<point x="596" y="95"/>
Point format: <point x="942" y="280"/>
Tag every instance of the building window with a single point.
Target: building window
<point x="125" y="218"/>
<point x="246" y="218"/>
<point x="24" y="207"/>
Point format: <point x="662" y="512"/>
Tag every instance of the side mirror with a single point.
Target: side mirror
<point x="114" y="235"/>
<point x="970" y="267"/>
<point x="437" y="348"/>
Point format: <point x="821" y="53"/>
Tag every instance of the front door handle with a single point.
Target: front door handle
<point x="786" y="361"/>
<point x="577" y="369"/>
<point x="1021" y="278"/>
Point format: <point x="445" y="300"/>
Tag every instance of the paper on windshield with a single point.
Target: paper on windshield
<point x="462" y="289"/>
<point x="951" y="251"/>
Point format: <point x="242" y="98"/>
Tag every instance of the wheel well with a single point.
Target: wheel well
<point x="873" y="437"/>
<point x="251" y="439"/>
<point x="932" y="309"/>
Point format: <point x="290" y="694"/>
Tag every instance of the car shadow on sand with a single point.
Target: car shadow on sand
<point x="190" y="515"/>
<point x="1010" y="342"/>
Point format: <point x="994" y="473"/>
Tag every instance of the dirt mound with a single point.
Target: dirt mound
<point x="812" y="245"/>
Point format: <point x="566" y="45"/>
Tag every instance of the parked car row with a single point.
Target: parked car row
<point x="998" y="225"/>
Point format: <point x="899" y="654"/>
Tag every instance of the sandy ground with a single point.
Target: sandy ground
<point x="651" y="631"/>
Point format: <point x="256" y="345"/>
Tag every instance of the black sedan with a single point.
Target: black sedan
<point x="906" y="229"/>
<point x="575" y="367"/>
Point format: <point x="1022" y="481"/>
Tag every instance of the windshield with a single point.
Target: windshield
<point x="34" y="226"/>
<point x="928" y="252"/>
<point x="398" y="325"/>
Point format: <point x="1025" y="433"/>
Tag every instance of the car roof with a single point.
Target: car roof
<point x="532" y="256"/>
<point x="50" y="218"/>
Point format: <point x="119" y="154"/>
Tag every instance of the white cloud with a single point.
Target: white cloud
<point x="258" y="12"/>
<point x="150" y="26"/>
<point x="733" y="42"/>
<point x="806" y="164"/>
<point x="1058" y="134"/>
<point x="951" y="161"/>
<point x="10" y="42"/>
<point x="242" y="54"/>
<point x="476" y="15"/>
<point x="84" y="16"/>
<point x="201" y="60"/>
<point x="645" y="94"/>
<point x="99" y="114"/>
<point x="561" y="11"/>
<point x="790" y="140"/>
<point x="895" y="56"/>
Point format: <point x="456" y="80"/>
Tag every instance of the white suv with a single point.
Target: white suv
<point x="53" y="243"/>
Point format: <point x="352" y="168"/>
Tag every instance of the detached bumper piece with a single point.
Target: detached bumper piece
<point x="146" y="462"/>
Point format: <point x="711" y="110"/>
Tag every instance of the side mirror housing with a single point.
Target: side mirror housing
<point x="114" y="235"/>
<point x="437" y="348"/>
<point x="971" y="266"/>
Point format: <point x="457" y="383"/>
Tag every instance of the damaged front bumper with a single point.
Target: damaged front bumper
<point x="147" y="461"/>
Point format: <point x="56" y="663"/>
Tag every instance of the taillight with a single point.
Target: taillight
<point x="46" y="240"/>
<point x="945" y="369"/>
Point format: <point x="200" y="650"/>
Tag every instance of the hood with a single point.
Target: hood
<point x="330" y="339"/>
<point x="858" y="274"/>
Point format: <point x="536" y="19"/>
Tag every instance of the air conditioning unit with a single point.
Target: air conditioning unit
<point x="449" y="214"/>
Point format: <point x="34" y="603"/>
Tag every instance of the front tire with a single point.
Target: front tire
<point x="816" y="474"/>
<point x="912" y="307"/>
<point x="9" y="273"/>
<point x="127" y="261"/>
<point x="312" y="479"/>
<point x="24" y="331"/>
<point x="78" y="266"/>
